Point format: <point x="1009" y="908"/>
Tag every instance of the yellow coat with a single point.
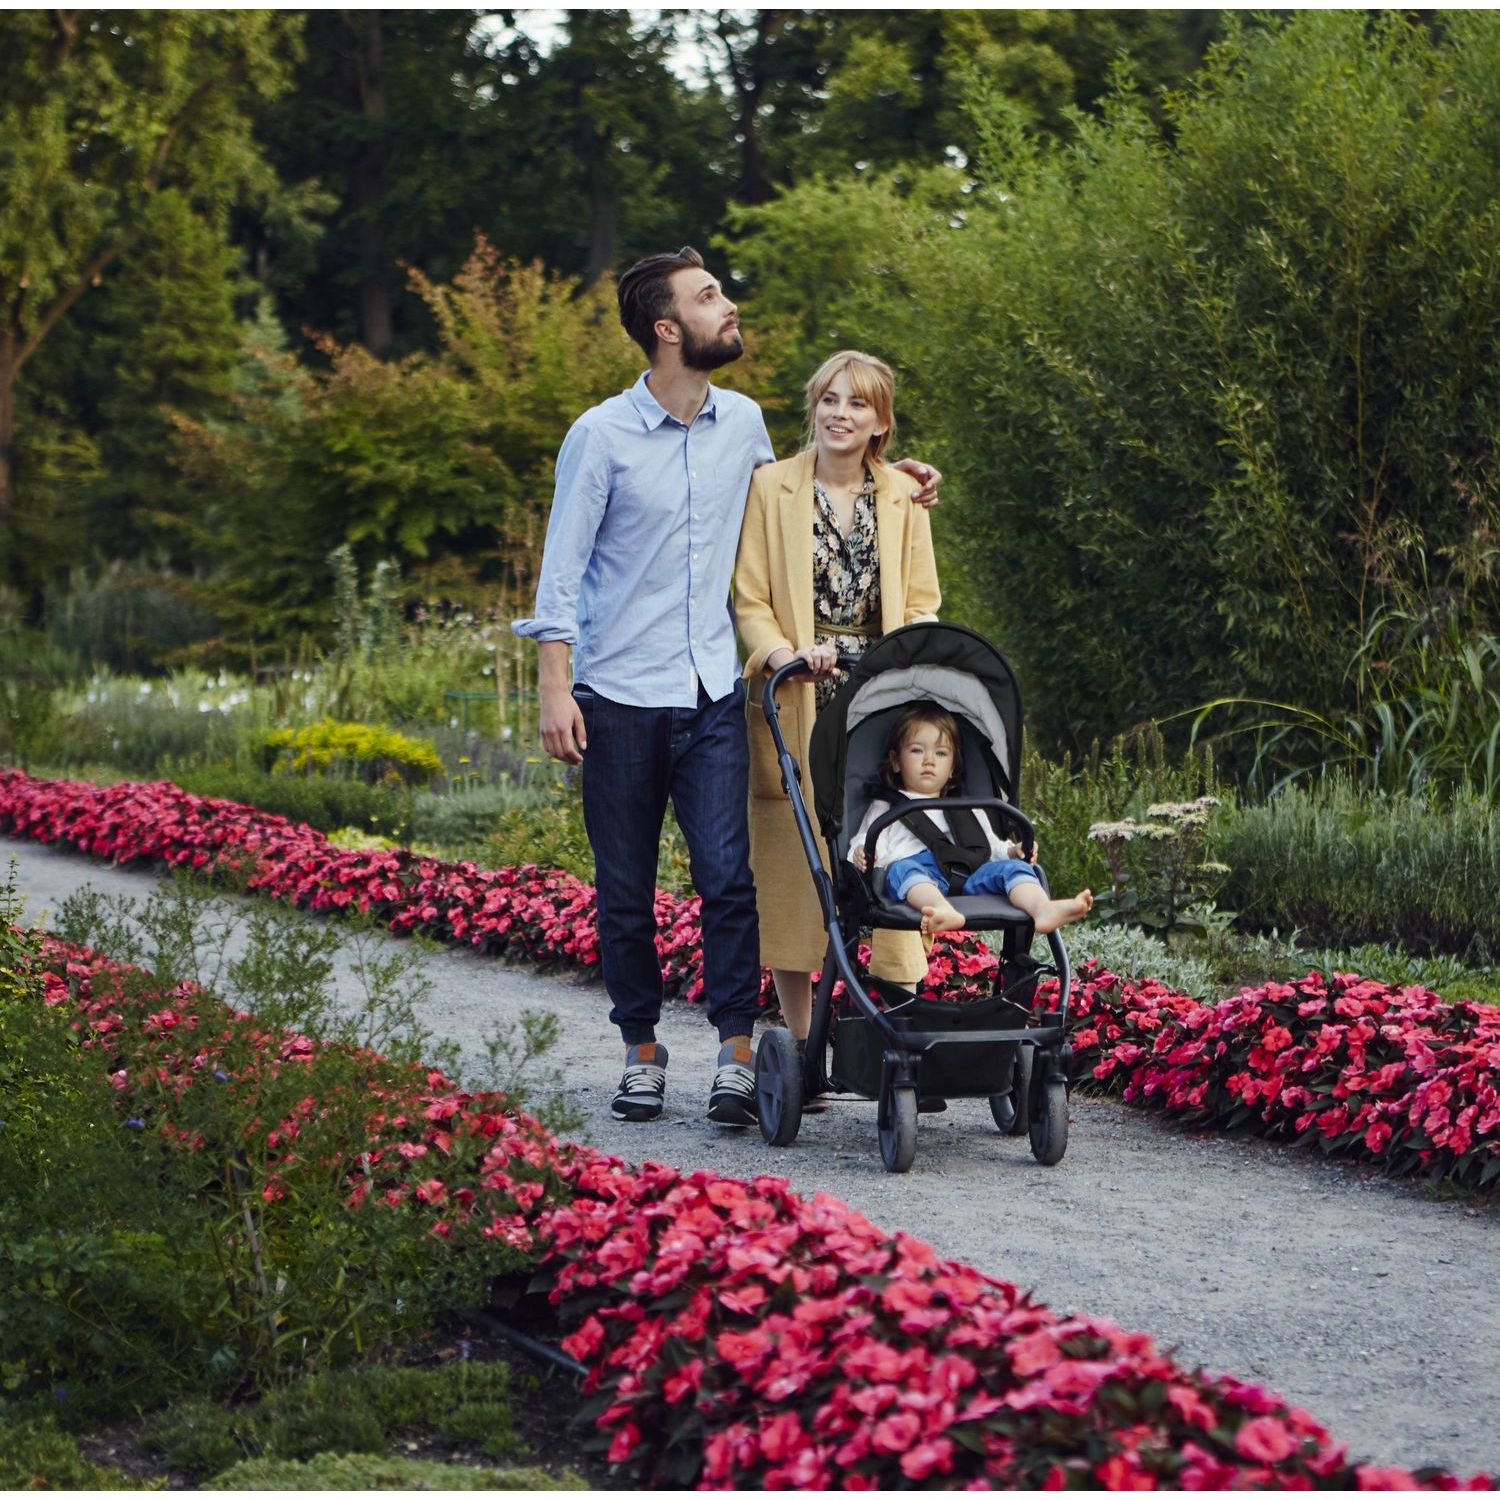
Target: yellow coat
<point x="773" y="607"/>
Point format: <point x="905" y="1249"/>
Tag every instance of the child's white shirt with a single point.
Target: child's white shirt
<point x="899" y="842"/>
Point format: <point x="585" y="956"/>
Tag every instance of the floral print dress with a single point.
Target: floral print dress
<point x="846" y="579"/>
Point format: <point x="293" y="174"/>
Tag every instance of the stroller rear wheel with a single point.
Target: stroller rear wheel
<point x="1012" y="1111"/>
<point x="1049" y="1123"/>
<point x="898" y="1127"/>
<point x="778" y="1086"/>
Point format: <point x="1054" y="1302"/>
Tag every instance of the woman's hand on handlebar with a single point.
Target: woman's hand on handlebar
<point x="822" y="661"/>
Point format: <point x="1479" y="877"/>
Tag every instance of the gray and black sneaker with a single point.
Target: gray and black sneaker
<point x="731" y="1101"/>
<point x="643" y="1084"/>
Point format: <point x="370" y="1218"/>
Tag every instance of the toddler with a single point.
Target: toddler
<point x="927" y="856"/>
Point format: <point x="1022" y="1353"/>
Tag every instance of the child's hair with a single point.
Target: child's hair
<point x="945" y="724"/>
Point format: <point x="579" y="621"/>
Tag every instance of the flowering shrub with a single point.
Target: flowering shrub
<point x="735" y="1334"/>
<point x="1394" y="1076"/>
<point x="371" y="750"/>
<point x="1397" y="1076"/>
<point x="741" y="1337"/>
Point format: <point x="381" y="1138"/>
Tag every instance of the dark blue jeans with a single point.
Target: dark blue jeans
<point x="699" y="757"/>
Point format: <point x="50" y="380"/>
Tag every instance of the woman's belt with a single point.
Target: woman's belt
<point x="827" y="627"/>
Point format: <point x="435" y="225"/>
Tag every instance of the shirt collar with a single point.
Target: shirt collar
<point x="653" y="413"/>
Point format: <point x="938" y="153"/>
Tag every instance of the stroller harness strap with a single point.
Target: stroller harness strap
<point x="960" y="851"/>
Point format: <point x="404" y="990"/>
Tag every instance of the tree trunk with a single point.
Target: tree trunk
<point x="602" y="217"/>
<point x="7" y="418"/>
<point x="376" y="322"/>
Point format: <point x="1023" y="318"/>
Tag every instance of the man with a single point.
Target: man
<point x="640" y="549"/>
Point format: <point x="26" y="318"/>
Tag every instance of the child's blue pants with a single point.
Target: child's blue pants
<point x="994" y="878"/>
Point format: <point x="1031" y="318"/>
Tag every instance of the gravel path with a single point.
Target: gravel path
<point x="1368" y="1302"/>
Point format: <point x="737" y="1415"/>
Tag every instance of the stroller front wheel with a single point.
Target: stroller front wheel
<point x="778" y="1086"/>
<point x="898" y="1128"/>
<point x="1049" y="1124"/>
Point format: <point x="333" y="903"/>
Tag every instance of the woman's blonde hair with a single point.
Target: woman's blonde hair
<point x="871" y="380"/>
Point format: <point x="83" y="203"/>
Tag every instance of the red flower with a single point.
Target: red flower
<point x="1265" y="1439"/>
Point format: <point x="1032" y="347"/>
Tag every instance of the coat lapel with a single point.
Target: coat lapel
<point x="797" y="545"/>
<point x="890" y="526"/>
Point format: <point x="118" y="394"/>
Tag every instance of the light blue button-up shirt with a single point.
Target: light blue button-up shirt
<point x="641" y="544"/>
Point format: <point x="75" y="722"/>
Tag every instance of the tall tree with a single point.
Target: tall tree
<point x="393" y="116"/>
<point x="101" y="112"/>
<point x="774" y="63"/>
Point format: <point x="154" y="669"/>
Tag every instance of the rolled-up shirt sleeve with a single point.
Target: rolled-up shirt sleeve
<point x="578" y="503"/>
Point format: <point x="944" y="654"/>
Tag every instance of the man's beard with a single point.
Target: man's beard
<point x="708" y="355"/>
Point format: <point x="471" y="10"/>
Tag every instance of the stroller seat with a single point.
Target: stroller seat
<point x="982" y="911"/>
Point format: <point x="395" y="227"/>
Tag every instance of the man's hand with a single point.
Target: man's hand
<point x="563" y="736"/>
<point x="928" y="479"/>
<point x="858" y="857"/>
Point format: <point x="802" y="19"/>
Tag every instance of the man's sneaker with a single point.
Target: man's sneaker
<point x="731" y="1101"/>
<point x="643" y="1084"/>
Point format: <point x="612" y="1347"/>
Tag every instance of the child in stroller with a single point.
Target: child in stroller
<point x="876" y="1039"/>
<point x="922" y="859"/>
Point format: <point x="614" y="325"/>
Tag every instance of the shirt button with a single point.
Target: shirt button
<point x="695" y="473"/>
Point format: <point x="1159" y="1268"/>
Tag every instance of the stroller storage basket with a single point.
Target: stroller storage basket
<point x="951" y="1068"/>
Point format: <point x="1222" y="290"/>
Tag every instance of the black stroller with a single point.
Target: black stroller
<point x="881" y="1041"/>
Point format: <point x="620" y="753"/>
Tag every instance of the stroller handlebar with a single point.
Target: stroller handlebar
<point x="796" y="667"/>
<point x="1010" y="818"/>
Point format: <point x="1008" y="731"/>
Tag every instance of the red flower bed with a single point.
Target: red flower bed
<point x="736" y="1334"/>
<point x="1397" y="1077"/>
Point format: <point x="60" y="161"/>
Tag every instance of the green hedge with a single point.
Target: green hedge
<point x="325" y="802"/>
<point x="1347" y="868"/>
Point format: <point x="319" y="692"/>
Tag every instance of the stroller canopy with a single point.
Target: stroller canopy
<point x="947" y="665"/>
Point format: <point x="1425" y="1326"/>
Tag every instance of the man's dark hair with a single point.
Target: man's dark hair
<point x="645" y="293"/>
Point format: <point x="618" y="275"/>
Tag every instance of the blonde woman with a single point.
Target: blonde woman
<point x="833" y="554"/>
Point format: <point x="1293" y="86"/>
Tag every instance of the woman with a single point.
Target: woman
<point x="833" y="554"/>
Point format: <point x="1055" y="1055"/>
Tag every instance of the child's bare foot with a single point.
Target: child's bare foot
<point x="1055" y="914"/>
<point x="943" y="918"/>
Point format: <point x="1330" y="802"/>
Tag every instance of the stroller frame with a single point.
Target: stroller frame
<point x="918" y="1059"/>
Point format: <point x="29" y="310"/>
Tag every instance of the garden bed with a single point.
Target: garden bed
<point x="1394" y="1076"/>
<point x="735" y="1335"/>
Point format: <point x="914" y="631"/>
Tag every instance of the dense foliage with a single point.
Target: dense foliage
<point x="1218" y="399"/>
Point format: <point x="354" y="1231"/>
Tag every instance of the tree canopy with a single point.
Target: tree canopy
<point x="1198" y="315"/>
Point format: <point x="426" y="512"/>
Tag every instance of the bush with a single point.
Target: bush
<point x="1351" y="867"/>
<point x="1064" y="800"/>
<point x="128" y="620"/>
<point x="36" y="1455"/>
<point x="369" y="751"/>
<point x="322" y="802"/>
<point x="32" y="670"/>
<point x="468" y="816"/>
<point x="1134" y="954"/>
<point x="140" y="726"/>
